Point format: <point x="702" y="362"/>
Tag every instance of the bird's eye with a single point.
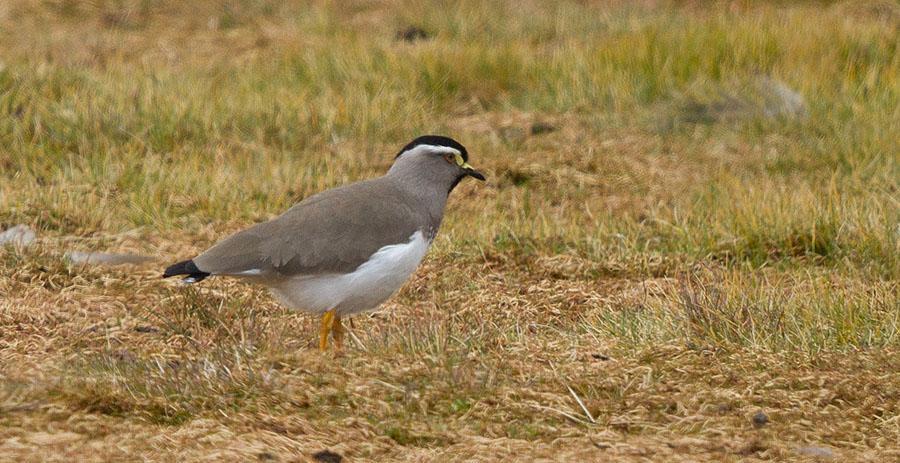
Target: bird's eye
<point x="449" y="158"/>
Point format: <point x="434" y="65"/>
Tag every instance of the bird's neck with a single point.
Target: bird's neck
<point x="426" y="194"/>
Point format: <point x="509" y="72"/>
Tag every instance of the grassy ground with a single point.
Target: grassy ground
<point x="692" y="216"/>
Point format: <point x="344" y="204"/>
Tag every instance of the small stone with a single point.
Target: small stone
<point x="816" y="452"/>
<point x="539" y="128"/>
<point x="327" y="456"/>
<point x="412" y="34"/>
<point x="266" y="456"/>
<point x="19" y="236"/>
<point x="103" y="258"/>
<point x="760" y="419"/>
<point x="601" y="357"/>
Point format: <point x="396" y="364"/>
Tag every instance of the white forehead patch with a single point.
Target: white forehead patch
<point x="421" y="149"/>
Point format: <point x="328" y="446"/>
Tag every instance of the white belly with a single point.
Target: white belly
<point x="365" y="288"/>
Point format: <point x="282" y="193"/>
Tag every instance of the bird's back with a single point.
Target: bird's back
<point x="334" y="231"/>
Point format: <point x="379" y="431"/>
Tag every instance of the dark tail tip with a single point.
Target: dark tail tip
<point x="187" y="267"/>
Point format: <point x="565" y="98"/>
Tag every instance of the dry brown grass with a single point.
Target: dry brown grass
<point x="666" y="258"/>
<point x="110" y="366"/>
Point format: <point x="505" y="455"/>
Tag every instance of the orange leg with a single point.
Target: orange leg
<point x="325" y="329"/>
<point x="337" y="331"/>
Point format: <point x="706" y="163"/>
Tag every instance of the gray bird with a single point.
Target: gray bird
<point x="348" y="249"/>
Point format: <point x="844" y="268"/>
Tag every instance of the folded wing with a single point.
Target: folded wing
<point x="333" y="232"/>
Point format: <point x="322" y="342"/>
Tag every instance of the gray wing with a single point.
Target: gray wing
<point x="332" y="232"/>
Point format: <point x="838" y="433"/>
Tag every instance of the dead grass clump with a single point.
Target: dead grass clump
<point x="167" y="391"/>
<point x="750" y="223"/>
<point x="713" y="318"/>
<point x="218" y="361"/>
<point x="797" y="312"/>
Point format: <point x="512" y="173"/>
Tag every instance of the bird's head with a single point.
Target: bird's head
<point x="441" y="161"/>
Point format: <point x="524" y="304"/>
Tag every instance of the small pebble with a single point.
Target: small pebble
<point x="103" y="258"/>
<point x="541" y="127"/>
<point x="266" y="456"/>
<point x="760" y="419"/>
<point x="20" y="235"/>
<point x="817" y="452"/>
<point x="412" y="34"/>
<point x="327" y="456"/>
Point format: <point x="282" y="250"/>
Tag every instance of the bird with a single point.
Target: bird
<point x="348" y="249"/>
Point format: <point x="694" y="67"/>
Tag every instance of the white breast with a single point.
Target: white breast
<point x="365" y="288"/>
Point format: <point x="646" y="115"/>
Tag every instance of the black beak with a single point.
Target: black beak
<point x="475" y="173"/>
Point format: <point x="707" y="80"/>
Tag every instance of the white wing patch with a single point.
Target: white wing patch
<point x="248" y="273"/>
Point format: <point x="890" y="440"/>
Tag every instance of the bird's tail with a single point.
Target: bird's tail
<point x="187" y="267"/>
